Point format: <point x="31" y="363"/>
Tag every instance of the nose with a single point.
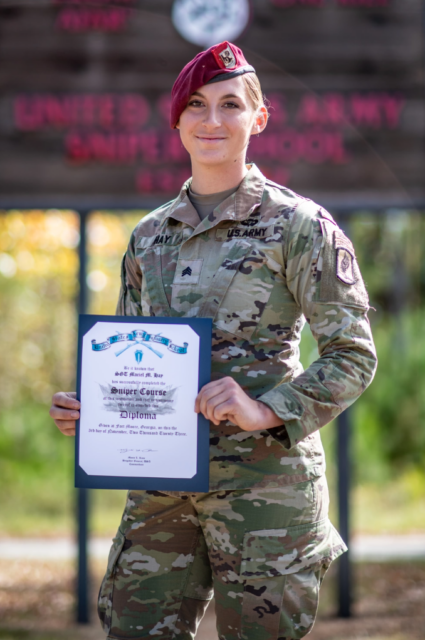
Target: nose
<point x="212" y="118"/>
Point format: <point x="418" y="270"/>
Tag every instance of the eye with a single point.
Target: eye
<point x="231" y="105"/>
<point x="195" y="103"/>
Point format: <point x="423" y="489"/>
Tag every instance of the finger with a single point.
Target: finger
<point x="207" y="389"/>
<point x="67" y="428"/>
<point x="223" y="382"/>
<point x="205" y="393"/>
<point x="68" y="432"/>
<point x="226" y="386"/>
<point x="226" y="410"/>
<point x="57" y="413"/>
<point x="226" y="397"/>
<point x="66" y="399"/>
<point x="208" y="396"/>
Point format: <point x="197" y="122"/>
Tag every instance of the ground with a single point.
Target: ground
<point x="37" y="603"/>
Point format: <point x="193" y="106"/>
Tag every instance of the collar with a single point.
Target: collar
<point x="236" y="207"/>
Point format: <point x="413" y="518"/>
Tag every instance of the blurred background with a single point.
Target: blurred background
<point x="86" y="151"/>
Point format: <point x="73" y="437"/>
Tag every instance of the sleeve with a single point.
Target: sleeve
<point x="129" y="300"/>
<point x="324" y="278"/>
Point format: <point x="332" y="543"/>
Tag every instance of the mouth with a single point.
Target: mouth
<point x="210" y="138"/>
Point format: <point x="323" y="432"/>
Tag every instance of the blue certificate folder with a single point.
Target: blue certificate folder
<point x="139" y="327"/>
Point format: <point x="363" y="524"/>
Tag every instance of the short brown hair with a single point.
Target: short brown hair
<point x="253" y="88"/>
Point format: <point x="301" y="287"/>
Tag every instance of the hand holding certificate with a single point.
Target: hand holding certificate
<point x="138" y="379"/>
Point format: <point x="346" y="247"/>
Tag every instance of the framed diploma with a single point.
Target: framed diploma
<point x="137" y="383"/>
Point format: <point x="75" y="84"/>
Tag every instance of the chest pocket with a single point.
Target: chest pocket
<point x="153" y="290"/>
<point x="246" y="298"/>
<point x="235" y="297"/>
<point x="157" y="261"/>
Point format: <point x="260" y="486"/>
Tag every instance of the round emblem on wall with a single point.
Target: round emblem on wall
<point x="206" y="22"/>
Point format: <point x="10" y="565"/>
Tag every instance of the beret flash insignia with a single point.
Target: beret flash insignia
<point x="224" y="56"/>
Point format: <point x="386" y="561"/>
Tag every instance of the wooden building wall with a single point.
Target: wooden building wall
<point x="84" y="106"/>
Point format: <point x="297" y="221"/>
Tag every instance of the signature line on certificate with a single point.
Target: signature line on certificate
<point x="138" y="450"/>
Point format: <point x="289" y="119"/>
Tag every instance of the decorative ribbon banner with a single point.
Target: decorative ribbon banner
<point x="138" y="337"/>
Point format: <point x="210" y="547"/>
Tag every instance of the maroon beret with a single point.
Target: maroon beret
<point x="220" y="62"/>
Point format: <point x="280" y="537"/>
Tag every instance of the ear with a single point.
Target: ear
<point x="260" y="120"/>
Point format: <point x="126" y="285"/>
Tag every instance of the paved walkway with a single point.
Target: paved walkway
<point x="363" y="548"/>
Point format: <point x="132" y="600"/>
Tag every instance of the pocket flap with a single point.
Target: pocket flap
<point x="277" y="552"/>
<point x="115" y="552"/>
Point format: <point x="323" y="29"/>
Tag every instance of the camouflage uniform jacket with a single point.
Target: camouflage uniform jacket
<point x="261" y="264"/>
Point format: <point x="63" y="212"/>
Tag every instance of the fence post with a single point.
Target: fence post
<point x="344" y="490"/>
<point x="83" y="590"/>
<point x="343" y="458"/>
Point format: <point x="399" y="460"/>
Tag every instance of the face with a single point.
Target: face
<point x="218" y="121"/>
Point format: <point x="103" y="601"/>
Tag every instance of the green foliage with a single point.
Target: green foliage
<point x="36" y="478"/>
<point x="38" y="288"/>
<point x="393" y="506"/>
<point x="390" y="416"/>
<point x="390" y="249"/>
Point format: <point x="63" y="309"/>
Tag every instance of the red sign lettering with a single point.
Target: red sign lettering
<point x="108" y="111"/>
<point x="93" y="15"/>
<point x="117" y="129"/>
<point x="364" y="110"/>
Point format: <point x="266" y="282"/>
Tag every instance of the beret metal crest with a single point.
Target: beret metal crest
<point x="220" y="62"/>
<point x="224" y="56"/>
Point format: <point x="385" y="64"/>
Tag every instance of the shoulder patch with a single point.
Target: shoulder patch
<point x="345" y="266"/>
<point x="338" y="273"/>
<point x="345" y="258"/>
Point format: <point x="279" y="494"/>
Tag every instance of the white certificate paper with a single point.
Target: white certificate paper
<point x="138" y="385"/>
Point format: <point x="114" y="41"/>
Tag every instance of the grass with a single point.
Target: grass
<point x="396" y="507"/>
<point x="47" y="509"/>
<point x="38" y="499"/>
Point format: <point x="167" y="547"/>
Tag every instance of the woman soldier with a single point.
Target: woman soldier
<point x="259" y="260"/>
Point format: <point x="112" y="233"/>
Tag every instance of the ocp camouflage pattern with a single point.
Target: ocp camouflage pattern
<point x="261" y="540"/>
<point x="262" y="553"/>
<point x="265" y="261"/>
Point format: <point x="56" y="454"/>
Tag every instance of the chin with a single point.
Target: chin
<point x="211" y="158"/>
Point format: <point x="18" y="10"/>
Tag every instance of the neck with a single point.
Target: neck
<point x="214" y="179"/>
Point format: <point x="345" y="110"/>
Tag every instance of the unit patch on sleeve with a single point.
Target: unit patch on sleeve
<point x="345" y="266"/>
<point x="345" y="258"/>
<point x="337" y="271"/>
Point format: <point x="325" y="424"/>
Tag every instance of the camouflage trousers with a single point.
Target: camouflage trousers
<point x="262" y="553"/>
